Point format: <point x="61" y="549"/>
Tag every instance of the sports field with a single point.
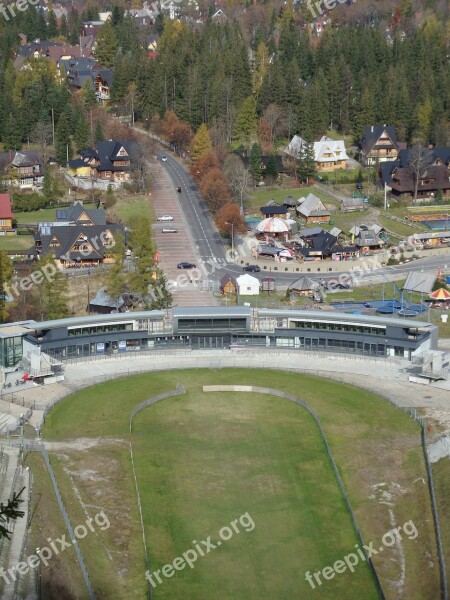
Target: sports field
<point x="203" y="460"/>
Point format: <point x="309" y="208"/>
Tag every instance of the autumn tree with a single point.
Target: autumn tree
<point x="246" y="120"/>
<point x="214" y="189"/>
<point x="229" y="218"/>
<point x="206" y="162"/>
<point x="200" y="143"/>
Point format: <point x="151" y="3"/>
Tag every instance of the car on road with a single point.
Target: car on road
<point x="163" y="157"/>
<point x="252" y="268"/>
<point x="169" y="230"/>
<point x="359" y="186"/>
<point x="165" y="218"/>
<point x="186" y="265"/>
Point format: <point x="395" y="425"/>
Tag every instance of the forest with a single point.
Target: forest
<point x="275" y="81"/>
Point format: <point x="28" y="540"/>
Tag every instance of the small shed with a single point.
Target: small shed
<point x="352" y="204"/>
<point x="247" y="285"/>
<point x="303" y="286"/>
<point x="103" y="304"/>
<point x="228" y="284"/>
<point x="268" y="284"/>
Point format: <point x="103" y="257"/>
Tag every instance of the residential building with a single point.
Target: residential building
<point x="79" y="237"/>
<point x="433" y="179"/>
<point x="111" y="161"/>
<point x="274" y="210"/>
<point x="6" y="215"/>
<point x="312" y="210"/>
<point x="247" y="285"/>
<point x="379" y="144"/>
<point x="329" y="154"/>
<point x="24" y="169"/>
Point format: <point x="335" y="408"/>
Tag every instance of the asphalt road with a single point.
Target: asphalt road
<point x="212" y="253"/>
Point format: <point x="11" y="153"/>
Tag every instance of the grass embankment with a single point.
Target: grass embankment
<point x="203" y="460"/>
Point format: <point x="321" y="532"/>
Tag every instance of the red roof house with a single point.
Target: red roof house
<point x="6" y="214"/>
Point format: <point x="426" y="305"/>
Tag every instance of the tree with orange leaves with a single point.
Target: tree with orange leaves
<point x="206" y="162"/>
<point x="214" y="189"/>
<point x="229" y="217"/>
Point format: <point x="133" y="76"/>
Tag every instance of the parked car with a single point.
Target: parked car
<point x="252" y="268"/>
<point x="186" y="265"/>
<point x="163" y="157"/>
<point x="165" y="218"/>
<point x="359" y="186"/>
<point x="169" y="230"/>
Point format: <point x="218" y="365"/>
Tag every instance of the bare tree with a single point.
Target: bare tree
<point x="240" y="178"/>
<point x="274" y="117"/>
<point x="420" y="158"/>
<point x="43" y="136"/>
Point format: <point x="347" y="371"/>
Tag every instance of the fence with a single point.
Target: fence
<point x="177" y="392"/>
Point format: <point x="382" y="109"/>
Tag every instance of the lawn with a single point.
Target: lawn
<point x="135" y="206"/>
<point x="204" y="460"/>
<point x="261" y="196"/>
<point x="16" y="242"/>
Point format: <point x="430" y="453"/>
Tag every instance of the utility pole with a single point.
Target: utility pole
<point x="53" y="127"/>
<point x="232" y="238"/>
<point x="385" y="192"/>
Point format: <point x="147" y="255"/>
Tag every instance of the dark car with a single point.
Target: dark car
<point x="252" y="268"/>
<point x="359" y="186"/>
<point x="186" y="265"/>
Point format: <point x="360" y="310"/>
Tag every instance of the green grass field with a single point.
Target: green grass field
<point x="16" y="242"/>
<point x="203" y="460"/>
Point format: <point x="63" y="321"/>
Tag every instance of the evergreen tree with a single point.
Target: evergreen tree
<point x="63" y="145"/>
<point x="52" y="26"/>
<point x="106" y="45"/>
<point x="200" y="143"/>
<point x="89" y="97"/>
<point x="306" y="169"/>
<point x="254" y="165"/>
<point x="115" y="279"/>
<point x="53" y="291"/>
<point x="99" y="135"/>
<point x="141" y="243"/>
<point x="12" y="135"/>
<point x="6" y="274"/>
<point x="81" y="134"/>
<point x="48" y="187"/>
<point x="64" y="27"/>
<point x="159" y="295"/>
<point x="246" y="120"/>
<point x="271" y="171"/>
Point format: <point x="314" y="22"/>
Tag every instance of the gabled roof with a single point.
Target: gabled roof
<point x="67" y="236"/>
<point x="227" y="279"/>
<point x="438" y="177"/>
<point x="295" y="146"/>
<point x="304" y="284"/>
<point x="108" y="151"/>
<point x="77" y="212"/>
<point x="247" y="279"/>
<point x="310" y="205"/>
<point x="27" y="159"/>
<point x="5" y="207"/>
<point x="373" y="133"/>
<point x="328" y="150"/>
<point x="103" y="299"/>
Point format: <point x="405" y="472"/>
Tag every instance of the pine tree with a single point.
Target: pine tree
<point x="63" y="146"/>
<point x="53" y="291"/>
<point x="64" y="27"/>
<point x="52" y="26"/>
<point x="271" y="171"/>
<point x="81" y="135"/>
<point x="200" y="143"/>
<point x="89" y="97"/>
<point x="106" y="45"/>
<point x="115" y="279"/>
<point x="48" y="188"/>
<point x="307" y="168"/>
<point x="142" y="246"/>
<point x="99" y="135"/>
<point x="255" y="162"/>
<point x="246" y="120"/>
<point x="159" y="295"/>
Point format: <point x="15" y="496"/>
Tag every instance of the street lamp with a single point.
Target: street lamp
<point x="232" y="237"/>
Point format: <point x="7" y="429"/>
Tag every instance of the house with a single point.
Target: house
<point x="24" y="169"/>
<point x="79" y="237"/>
<point x="433" y="178"/>
<point x="274" y="211"/>
<point x="379" y="144"/>
<point x="366" y="239"/>
<point x="103" y="303"/>
<point x="312" y="210"/>
<point x="247" y="285"/>
<point x="228" y="285"/>
<point x="111" y="161"/>
<point x="318" y="246"/>
<point x="304" y="286"/>
<point x="330" y="154"/>
<point x="6" y="215"/>
<point x="102" y="85"/>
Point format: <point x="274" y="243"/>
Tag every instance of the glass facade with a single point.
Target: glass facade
<point x="334" y="326"/>
<point x="96" y="329"/>
<point x="204" y="324"/>
<point x="10" y="351"/>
